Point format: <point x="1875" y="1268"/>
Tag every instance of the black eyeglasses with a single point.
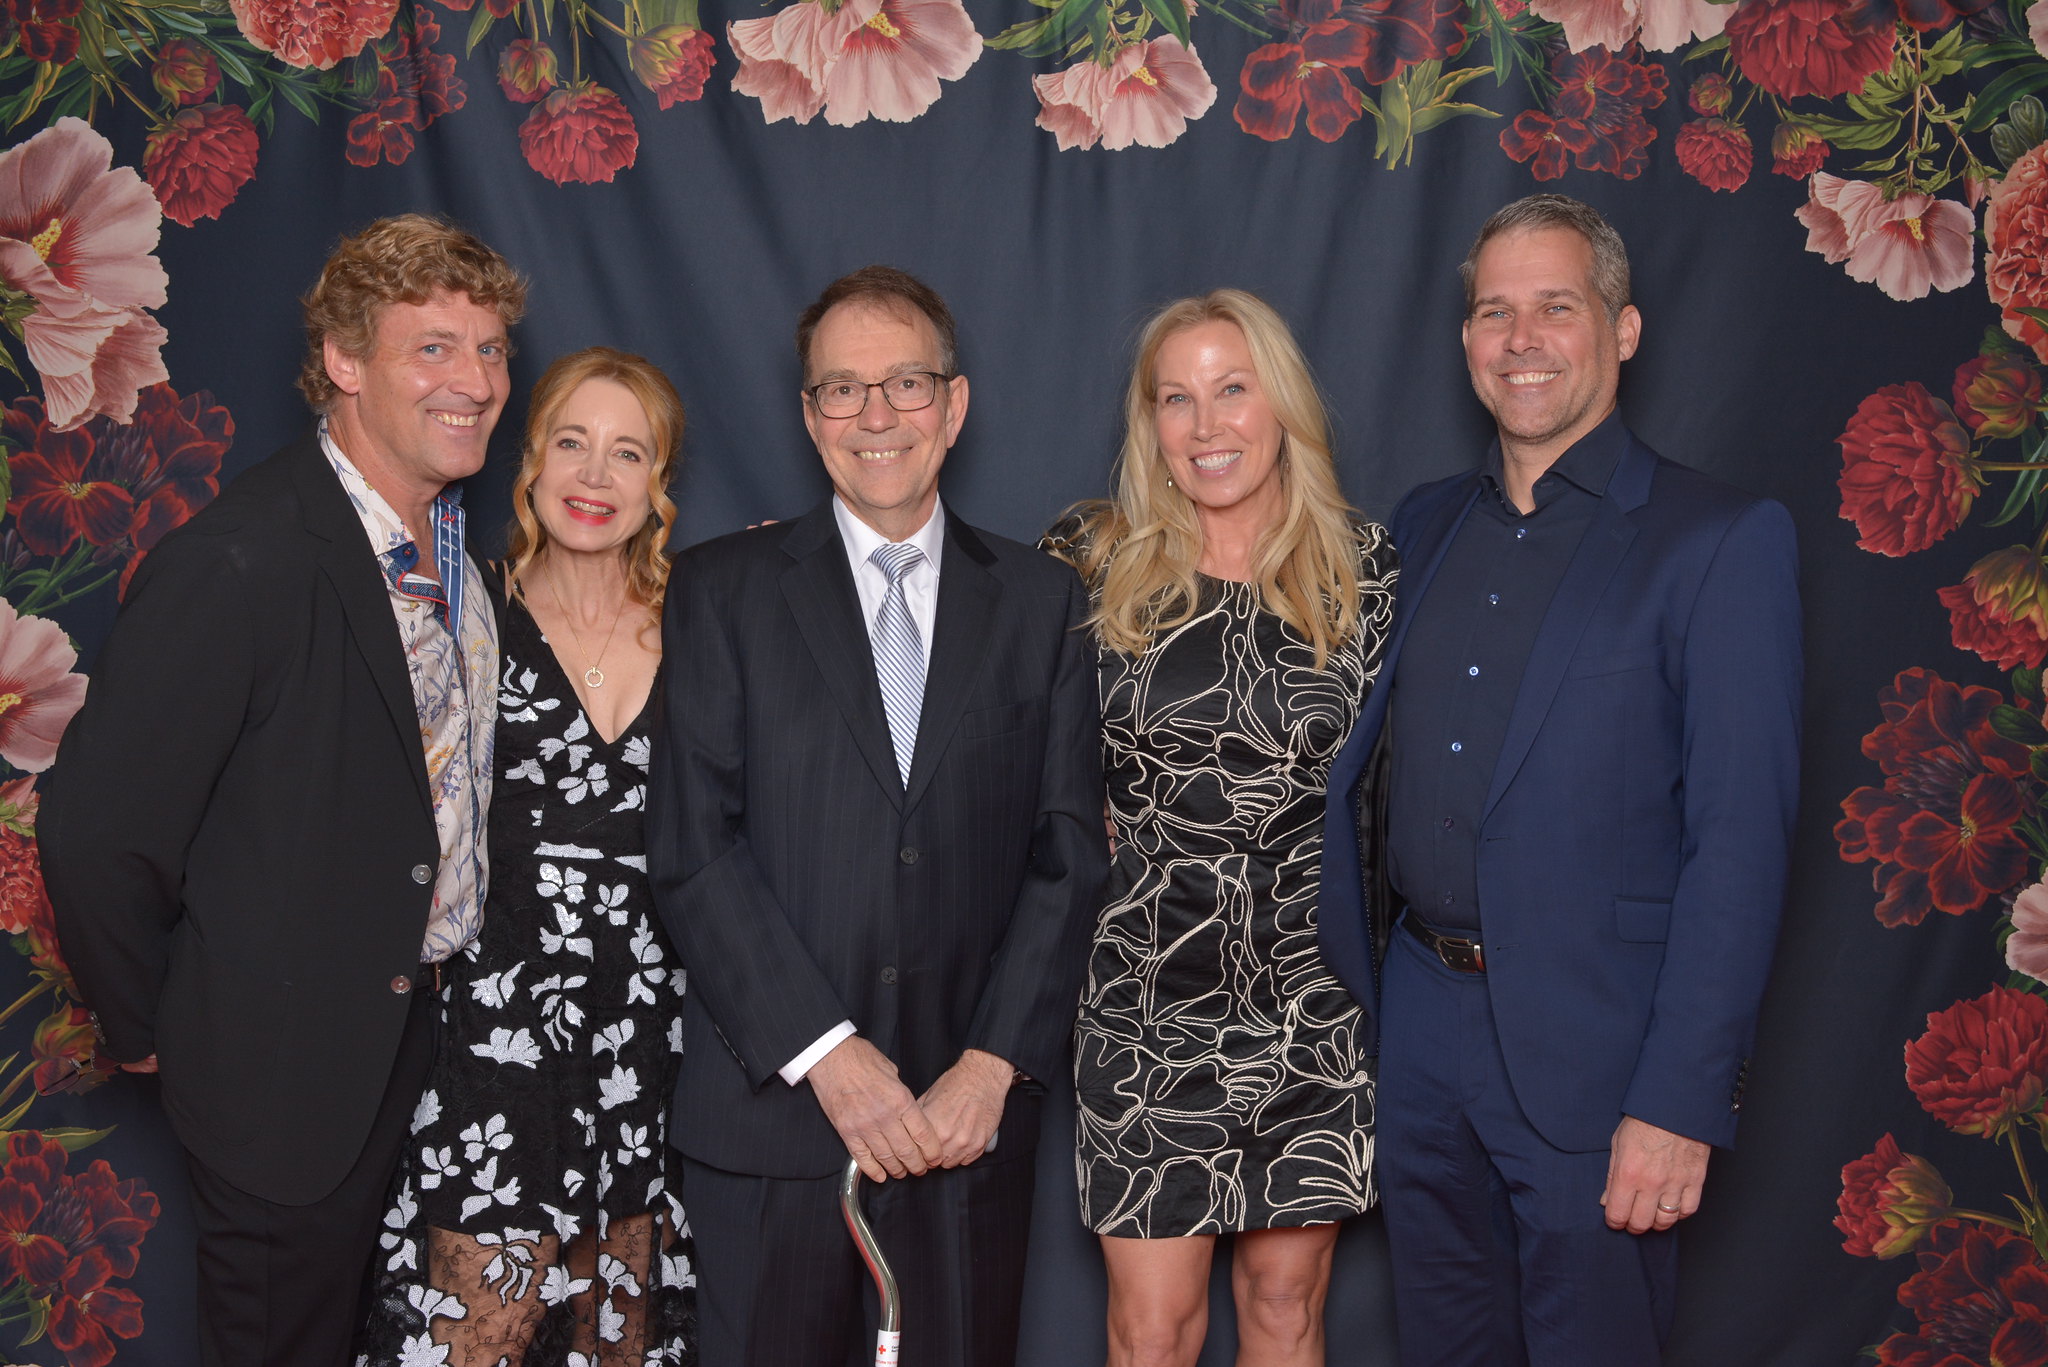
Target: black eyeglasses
<point x="906" y="393"/>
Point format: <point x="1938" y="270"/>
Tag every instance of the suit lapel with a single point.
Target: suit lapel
<point x="819" y="590"/>
<point x="1592" y="566"/>
<point x="962" y="627"/>
<point x="351" y="567"/>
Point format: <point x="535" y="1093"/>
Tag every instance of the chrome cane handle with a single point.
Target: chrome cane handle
<point x="889" y="1337"/>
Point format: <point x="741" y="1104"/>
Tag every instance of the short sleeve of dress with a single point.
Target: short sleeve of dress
<point x="1379" y="566"/>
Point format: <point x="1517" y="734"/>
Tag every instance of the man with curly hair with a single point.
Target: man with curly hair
<point x="265" y="831"/>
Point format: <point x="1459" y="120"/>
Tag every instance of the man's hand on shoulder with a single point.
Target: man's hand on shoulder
<point x="966" y="1104"/>
<point x="881" y="1123"/>
<point x="1653" y="1177"/>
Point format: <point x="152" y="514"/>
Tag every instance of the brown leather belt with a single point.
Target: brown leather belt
<point x="1459" y="954"/>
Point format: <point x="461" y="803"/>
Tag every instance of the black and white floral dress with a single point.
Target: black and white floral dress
<point x="1219" y="1066"/>
<point x="544" y="1122"/>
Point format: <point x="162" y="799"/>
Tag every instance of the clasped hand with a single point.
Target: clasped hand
<point x="891" y="1133"/>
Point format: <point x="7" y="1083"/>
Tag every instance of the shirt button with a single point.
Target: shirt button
<point x="421" y="873"/>
<point x="1449" y="823"/>
<point x="401" y="985"/>
<point x="908" y="854"/>
<point x="1456" y="746"/>
<point x="1473" y="671"/>
<point x="889" y="973"/>
<point x="1450" y="898"/>
<point x="1493" y="598"/>
<point x="1521" y="532"/>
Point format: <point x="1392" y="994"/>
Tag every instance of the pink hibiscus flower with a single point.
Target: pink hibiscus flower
<point x="880" y="59"/>
<point x="77" y="234"/>
<point x="1146" y="96"/>
<point x="1905" y="246"/>
<point x="1663" y="25"/>
<point x="38" y="692"/>
<point x="2037" y="25"/>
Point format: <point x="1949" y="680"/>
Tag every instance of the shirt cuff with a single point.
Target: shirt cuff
<point x="794" y="1070"/>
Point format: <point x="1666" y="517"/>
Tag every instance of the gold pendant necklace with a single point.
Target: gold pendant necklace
<point x="592" y="675"/>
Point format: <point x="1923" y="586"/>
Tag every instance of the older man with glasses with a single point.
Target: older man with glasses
<point x="875" y="834"/>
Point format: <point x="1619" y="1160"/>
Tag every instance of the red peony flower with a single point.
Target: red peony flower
<point x="1710" y="95"/>
<point x="184" y="72"/>
<point x="24" y="902"/>
<point x="526" y="70"/>
<point x="1983" y="1064"/>
<point x="584" y="135"/>
<point x="2016" y="247"/>
<point x="1907" y="478"/>
<point x="1810" y="47"/>
<point x="1797" y="151"/>
<point x="313" y="33"/>
<point x="673" y="61"/>
<point x="44" y="27"/>
<point x="1889" y="1200"/>
<point x="1997" y="396"/>
<point x="1714" y="152"/>
<point x="418" y="73"/>
<point x="199" y="161"/>
<point x="384" y="133"/>
<point x="2000" y="610"/>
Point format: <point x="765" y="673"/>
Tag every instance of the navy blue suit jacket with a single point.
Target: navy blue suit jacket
<point x="1634" y="840"/>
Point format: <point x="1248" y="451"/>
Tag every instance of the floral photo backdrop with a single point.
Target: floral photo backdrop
<point x="1916" y="127"/>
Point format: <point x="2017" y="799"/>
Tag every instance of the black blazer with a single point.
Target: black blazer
<point x="237" y="834"/>
<point x="803" y="885"/>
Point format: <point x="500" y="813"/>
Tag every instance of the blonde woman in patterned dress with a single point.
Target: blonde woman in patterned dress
<point x="1240" y="610"/>
<point x="534" y="1219"/>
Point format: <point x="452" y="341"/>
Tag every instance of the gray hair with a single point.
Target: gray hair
<point x="1537" y="212"/>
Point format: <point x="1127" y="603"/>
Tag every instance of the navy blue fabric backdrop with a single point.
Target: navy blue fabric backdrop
<point x="1756" y="355"/>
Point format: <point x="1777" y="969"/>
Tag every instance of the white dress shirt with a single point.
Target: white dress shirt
<point x="921" y="592"/>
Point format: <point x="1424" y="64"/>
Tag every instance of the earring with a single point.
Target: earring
<point x="1169" y="481"/>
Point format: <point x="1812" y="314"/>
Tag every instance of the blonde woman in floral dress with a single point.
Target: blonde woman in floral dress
<point x="1240" y="610"/>
<point x="534" y="1220"/>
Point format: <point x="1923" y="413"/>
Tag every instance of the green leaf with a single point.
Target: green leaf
<point x="295" y="95"/>
<point x="8" y="1121"/>
<point x="1443" y="113"/>
<point x="230" y="61"/>
<point x="1997" y="97"/>
<point x="2030" y="119"/>
<point x="1717" y="43"/>
<point x="2021" y="728"/>
<point x="38" y="1308"/>
<point x="1050" y="33"/>
<point x="1856" y="135"/>
<point x="2007" y="145"/>
<point x="2037" y="764"/>
<point x="1997" y="343"/>
<point x="178" y="19"/>
<point x="1868" y="108"/>
<point x="479" y="25"/>
<point x="1172" y="16"/>
<point x="1881" y="164"/>
<point x="2027" y="683"/>
<point x="7" y="363"/>
<point x="2023" y="491"/>
<point x="2038" y="315"/>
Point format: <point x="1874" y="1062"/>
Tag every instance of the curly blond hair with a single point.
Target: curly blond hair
<point x="405" y="259"/>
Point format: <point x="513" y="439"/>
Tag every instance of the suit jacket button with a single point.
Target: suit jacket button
<point x="889" y="974"/>
<point x="421" y="873"/>
<point x="401" y="985"/>
<point x="907" y="854"/>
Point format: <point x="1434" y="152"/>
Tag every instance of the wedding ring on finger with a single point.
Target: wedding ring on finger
<point x="1668" y="1210"/>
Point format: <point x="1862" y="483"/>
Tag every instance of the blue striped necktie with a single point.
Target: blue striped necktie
<point x="899" y="653"/>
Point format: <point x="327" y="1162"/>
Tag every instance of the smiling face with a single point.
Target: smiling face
<point x="416" y="413"/>
<point x="1544" y="356"/>
<point x="1218" y="433"/>
<point x="884" y="464"/>
<point x="592" y="493"/>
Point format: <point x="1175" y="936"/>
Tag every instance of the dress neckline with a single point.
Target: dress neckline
<point x="561" y="673"/>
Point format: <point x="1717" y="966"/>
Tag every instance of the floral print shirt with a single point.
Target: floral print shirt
<point x="451" y="656"/>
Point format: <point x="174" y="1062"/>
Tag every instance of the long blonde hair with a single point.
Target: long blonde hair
<point x="647" y="553"/>
<point x="1138" y="550"/>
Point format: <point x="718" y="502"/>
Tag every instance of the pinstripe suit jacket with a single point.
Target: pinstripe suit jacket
<point x="804" y="883"/>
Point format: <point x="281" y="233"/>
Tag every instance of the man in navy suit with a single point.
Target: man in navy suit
<point x="1580" y="772"/>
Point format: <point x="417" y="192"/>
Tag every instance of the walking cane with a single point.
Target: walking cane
<point x="889" y="1336"/>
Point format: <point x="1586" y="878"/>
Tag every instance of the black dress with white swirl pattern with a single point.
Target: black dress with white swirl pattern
<point x="1219" y="1067"/>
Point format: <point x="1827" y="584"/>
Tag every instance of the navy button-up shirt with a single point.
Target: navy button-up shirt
<point x="1461" y="667"/>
